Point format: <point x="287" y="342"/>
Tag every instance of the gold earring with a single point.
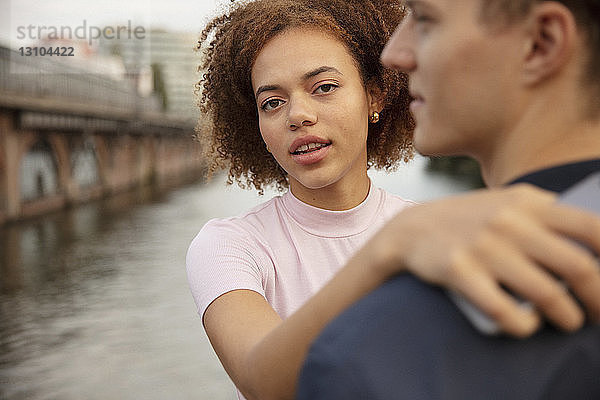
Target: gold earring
<point x="268" y="149"/>
<point x="374" y="118"/>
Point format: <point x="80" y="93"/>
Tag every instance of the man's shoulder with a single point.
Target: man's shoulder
<point x="409" y="341"/>
<point x="584" y="194"/>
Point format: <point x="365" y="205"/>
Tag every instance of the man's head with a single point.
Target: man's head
<point x="493" y="76"/>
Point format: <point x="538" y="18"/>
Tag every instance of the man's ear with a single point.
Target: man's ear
<point x="376" y="96"/>
<point x="552" y="41"/>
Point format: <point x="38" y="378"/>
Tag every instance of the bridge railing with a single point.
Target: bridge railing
<point x="40" y="77"/>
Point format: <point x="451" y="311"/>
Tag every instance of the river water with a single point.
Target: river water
<point x="94" y="302"/>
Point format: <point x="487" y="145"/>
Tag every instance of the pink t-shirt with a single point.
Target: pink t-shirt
<point x="283" y="249"/>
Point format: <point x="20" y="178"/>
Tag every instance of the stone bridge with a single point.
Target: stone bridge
<point x="67" y="137"/>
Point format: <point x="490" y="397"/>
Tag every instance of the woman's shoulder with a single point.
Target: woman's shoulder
<point x="244" y="229"/>
<point x="250" y="220"/>
<point x="228" y="254"/>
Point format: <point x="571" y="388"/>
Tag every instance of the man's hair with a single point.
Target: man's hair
<point x="587" y="16"/>
<point x="231" y="42"/>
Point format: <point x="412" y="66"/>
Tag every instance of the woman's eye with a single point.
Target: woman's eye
<point x="271" y="104"/>
<point x="326" y="88"/>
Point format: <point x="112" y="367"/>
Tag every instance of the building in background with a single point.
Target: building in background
<point x="165" y="62"/>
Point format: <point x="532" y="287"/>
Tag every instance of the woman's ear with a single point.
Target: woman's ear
<point x="552" y="39"/>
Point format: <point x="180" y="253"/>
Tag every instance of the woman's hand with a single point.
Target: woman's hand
<point x="514" y="238"/>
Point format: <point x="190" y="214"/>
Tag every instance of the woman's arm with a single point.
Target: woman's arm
<point x="472" y="243"/>
<point x="263" y="354"/>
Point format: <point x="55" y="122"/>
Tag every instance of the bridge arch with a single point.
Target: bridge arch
<point x="84" y="163"/>
<point x="39" y="172"/>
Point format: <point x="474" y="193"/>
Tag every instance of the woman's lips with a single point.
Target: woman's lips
<point x="312" y="156"/>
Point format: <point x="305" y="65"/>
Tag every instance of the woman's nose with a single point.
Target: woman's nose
<point x="300" y="113"/>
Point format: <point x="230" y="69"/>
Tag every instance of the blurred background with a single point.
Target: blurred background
<point x="101" y="192"/>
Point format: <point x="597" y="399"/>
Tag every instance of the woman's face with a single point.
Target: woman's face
<point x="313" y="110"/>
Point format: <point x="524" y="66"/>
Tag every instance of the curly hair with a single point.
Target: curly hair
<point x="231" y="43"/>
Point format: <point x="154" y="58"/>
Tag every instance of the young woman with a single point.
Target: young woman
<point x="297" y="98"/>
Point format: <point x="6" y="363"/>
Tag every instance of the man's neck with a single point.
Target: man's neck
<point x="540" y="145"/>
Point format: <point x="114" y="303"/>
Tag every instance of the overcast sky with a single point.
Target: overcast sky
<point x="177" y="15"/>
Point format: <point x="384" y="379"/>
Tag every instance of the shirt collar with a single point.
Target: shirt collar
<point x="559" y="178"/>
<point x="327" y="223"/>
